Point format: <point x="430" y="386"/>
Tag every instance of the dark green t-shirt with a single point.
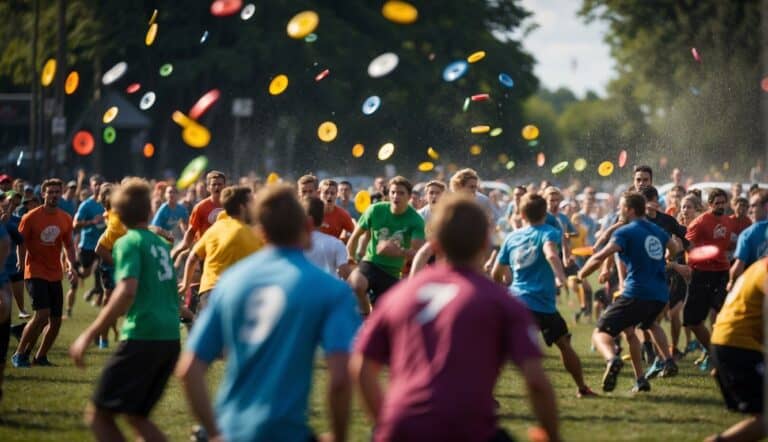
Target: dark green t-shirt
<point x="383" y="225"/>
<point x="154" y="314"/>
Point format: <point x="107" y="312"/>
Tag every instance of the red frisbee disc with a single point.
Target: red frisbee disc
<point x="703" y="253"/>
<point x="83" y="143"/>
<point x="622" y="158"/>
<point x="204" y="103"/>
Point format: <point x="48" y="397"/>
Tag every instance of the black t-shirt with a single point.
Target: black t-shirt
<point x="670" y="225"/>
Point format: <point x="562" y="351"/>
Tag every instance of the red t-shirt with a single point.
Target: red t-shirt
<point x="739" y="224"/>
<point x="44" y="234"/>
<point x="708" y="229"/>
<point x="203" y="216"/>
<point x="445" y="335"/>
<point x="337" y="221"/>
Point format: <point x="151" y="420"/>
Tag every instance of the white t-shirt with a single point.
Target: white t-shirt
<point x="327" y="252"/>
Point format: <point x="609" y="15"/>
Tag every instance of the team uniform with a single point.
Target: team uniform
<point x="268" y="313"/>
<point x="336" y="222"/>
<point x="752" y="243"/>
<point x="114" y="231"/>
<point x="678" y="288"/>
<point x="327" y="252"/>
<point x="89" y="235"/>
<point x="168" y="218"/>
<point x="135" y="376"/>
<point x="203" y="216"/>
<point x="445" y="335"/>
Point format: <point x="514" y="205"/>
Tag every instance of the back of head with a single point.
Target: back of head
<point x="233" y="197"/>
<point x="280" y="215"/>
<point x="460" y="227"/>
<point x="635" y="201"/>
<point x="533" y="207"/>
<point x="315" y="208"/>
<point x="132" y="202"/>
<point x="650" y="193"/>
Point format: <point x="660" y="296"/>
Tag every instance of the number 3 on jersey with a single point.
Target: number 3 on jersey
<point x="161" y="255"/>
<point x="437" y="296"/>
<point x="263" y="309"/>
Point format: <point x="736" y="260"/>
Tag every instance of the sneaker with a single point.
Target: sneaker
<point x="704" y="356"/>
<point x="670" y="369"/>
<point x="43" y="362"/>
<point x="103" y="343"/>
<point x="612" y="370"/>
<point x="692" y="346"/>
<point x="704" y="365"/>
<point x="586" y="392"/>
<point x="655" y="369"/>
<point x="23" y="314"/>
<point x="20" y="361"/>
<point x="641" y="384"/>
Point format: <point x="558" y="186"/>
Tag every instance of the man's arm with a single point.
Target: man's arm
<point x="550" y="252"/>
<point x="542" y="397"/>
<point x="501" y="273"/>
<point x="352" y="243"/>
<point x="674" y="246"/>
<point x="191" y="372"/>
<point x="421" y="259"/>
<point x="189" y="270"/>
<point x="186" y="242"/>
<point x="365" y="373"/>
<point x="104" y="253"/>
<point x="606" y="235"/>
<point x="339" y="394"/>
<point x="594" y="261"/>
<point x="733" y="274"/>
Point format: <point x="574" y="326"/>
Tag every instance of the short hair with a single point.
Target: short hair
<point x="345" y="182"/>
<point x="52" y="182"/>
<point x="233" y="197"/>
<point x="533" y="207"/>
<point x="650" y="193"/>
<point x="328" y="183"/>
<point x="716" y="193"/>
<point x="754" y="188"/>
<point x="549" y="190"/>
<point x="695" y="192"/>
<point x="105" y="192"/>
<point x="401" y="181"/>
<point x="436" y="183"/>
<point x="460" y="227"/>
<point x="98" y="178"/>
<point x="215" y="174"/>
<point x="132" y="202"/>
<point x="644" y="168"/>
<point x="763" y="196"/>
<point x="280" y="214"/>
<point x="677" y="188"/>
<point x="460" y="178"/>
<point x="315" y="208"/>
<point x="308" y="179"/>
<point x="635" y="201"/>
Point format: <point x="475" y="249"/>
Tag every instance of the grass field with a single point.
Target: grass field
<point x="45" y="404"/>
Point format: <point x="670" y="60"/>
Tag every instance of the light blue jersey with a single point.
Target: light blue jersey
<point x="168" y="218"/>
<point x="268" y="313"/>
<point x="532" y="277"/>
<point x="642" y="245"/>
<point x="89" y="235"/>
<point x="752" y="243"/>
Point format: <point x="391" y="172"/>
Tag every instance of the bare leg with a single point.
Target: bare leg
<point x="359" y="284"/>
<point x="749" y="429"/>
<point x="702" y="334"/>
<point x="102" y="424"/>
<point x="32" y="330"/>
<point x="660" y="338"/>
<point x="18" y="294"/>
<point x="676" y="324"/>
<point x="49" y="337"/>
<point x="146" y="430"/>
<point x="635" y="352"/>
<point x="571" y="360"/>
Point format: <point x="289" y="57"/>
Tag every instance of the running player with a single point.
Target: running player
<point x="532" y="254"/>
<point x="204" y="214"/>
<point x="640" y="245"/>
<point x="268" y="314"/>
<point x="445" y="335"/>
<point x="307" y="186"/>
<point x="170" y="216"/>
<point x="433" y="190"/>
<point x="114" y="231"/>
<point x="346" y="200"/>
<point x="326" y="251"/>
<point x="752" y="243"/>
<point x="336" y="221"/>
<point x="135" y="376"/>
<point x="89" y="221"/>
<point x="6" y="305"/>
<point x="397" y="232"/>
<point x="13" y="268"/>
<point x="46" y="230"/>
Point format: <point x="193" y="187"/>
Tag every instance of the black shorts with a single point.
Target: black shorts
<point x="46" y="295"/>
<point x="379" y="281"/>
<point x="16" y="277"/>
<point x="678" y="288"/>
<point x="627" y="312"/>
<point x="552" y="326"/>
<point x="86" y="258"/>
<point x="572" y="269"/>
<point x="135" y="376"/>
<point x="740" y="377"/>
<point x="706" y="292"/>
<point x="107" y="276"/>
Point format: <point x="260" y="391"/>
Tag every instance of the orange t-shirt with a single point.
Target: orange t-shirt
<point x="739" y="224"/>
<point x="708" y="229"/>
<point x="337" y="221"/>
<point x="44" y="234"/>
<point x="203" y="216"/>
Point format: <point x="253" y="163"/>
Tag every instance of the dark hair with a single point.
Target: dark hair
<point x="460" y="227"/>
<point x="635" y="201"/>
<point x="401" y="181"/>
<point x="215" y="174"/>
<point x="280" y="214"/>
<point x="739" y="199"/>
<point x="51" y="182"/>
<point x="644" y="168"/>
<point x="650" y="193"/>
<point x="715" y="193"/>
<point x="696" y="192"/>
<point x="346" y="183"/>
<point x="533" y="207"/>
<point x="233" y="197"/>
<point x="315" y="208"/>
<point x="678" y="188"/>
<point x="132" y="202"/>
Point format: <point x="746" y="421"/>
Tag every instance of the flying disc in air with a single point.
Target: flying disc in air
<point x="476" y="56"/>
<point x="371" y="104"/>
<point x="703" y="253"/>
<point x="322" y="74"/>
<point x="147" y="100"/>
<point x="204" y="103"/>
<point x="114" y="73"/>
<point x="385" y="152"/>
<point x="247" y="12"/>
<point x="110" y="115"/>
<point x="109" y="135"/>
<point x="506" y="80"/>
<point x="481" y="129"/>
<point x="192" y="172"/>
<point x="530" y="132"/>
<point x="455" y="70"/>
<point x="149" y="150"/>
<point x="133" y="88"/>
<point x="273" y="178"/>
<point x="480" y="97"/>
<point x="327" y="131"/>
<point x="496" y="131"/>
<point x="151" y="34"/>
<point x="541" y="159"/>
<point x="278" y="85"/>
<point x="695" y="54"/>
<point x="182" y="120"/>
<point x="559" y="167"/>
<point x="475" y="149"/>
<point x="224" y="8"/>
<point x="580" y="164"/>
<point x="71" y="83"/>
<point x="358" y="150"/>
<point x="166" y="70"/>
<point x="83" y="143"/>
<point x="196" y="135"/>
<point x="302" y="24"/>
<point x="48" y="73"/>
<point x="582" y="251"/>
<point x="605" y="168"/>
<point x="400" y="12"/>
<point x="383" y="64"/>
<point x="362" y="201"/>
<point x="426" y="166"/>
<point x="622" y="158"/>
<point x="432" y="153"/>
<point x="153" y="17"/>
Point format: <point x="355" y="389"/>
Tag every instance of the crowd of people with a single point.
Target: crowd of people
<point x="439" y="282"/>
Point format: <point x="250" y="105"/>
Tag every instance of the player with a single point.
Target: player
<point x="326" y="251"/>
<point x="114" y="231"/>
<point x="433" y="190"/>
<point x="752" y="243"/>
<point x="89" y="222"/>
<point x="170" y="216"/>
<point x="204" y="214"/>
<point x="307" y="186"/>
<point x="336" y="221"/>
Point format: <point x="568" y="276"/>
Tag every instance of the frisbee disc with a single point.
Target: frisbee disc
<point x="71" y="83"/>
<point x="622" y="158"/>
<point x="358" y="150"/>
<point x="605" y="168"/>
<point x="327" y="131"/>
<point x="302" y="24"/>
<point x="400" y="12"/>
<point x="224" y="8"/>
<point x="278" y="85"/>
<point x="110" y="115"/>
<point x="582" y="251"/>
<point x="48" y="73"/>
<point x="480" y="129"/>
<point x="385" y="152"/>
<point x="703" y="253"/>
<point x="383" y="64"/>
<point x="192" y="172"/>
<point x="114" y="73"/>
<point x="426" y="166"/>
<point x="371" y="104"/>
<point x="559" y="167"/>
<point x="541" y="159"/>
<point x="530" y="132"/>
<point x="580" y="164"/>
<point x="506" y="80"/>
<point x="247" y="12"/>
<point x="476" y="56"/>
<point x="109" y="135"/>
<point x="147" y="100"/>
<point x="151" y="34"/>
<point x="432" y="153"/>
<point x="83" y="143"/>
<point x="196" y="135"/>
<point x="455" y="70"/>
<point x="204" y="103"/>
<point x="362" y="201"/>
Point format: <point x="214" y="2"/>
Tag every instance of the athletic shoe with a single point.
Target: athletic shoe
<point x="692" y="346"/>
<point x="198" y="434"/>
<point x="655" y="369"/>
<point x="612" y="370"/>
<point x="20" y="361"/>
<point x="103" y="343"/>
<point x="649" y="354"/>
<point x="704" y="356"/>
<point x="43" y="362"/>
<point x="704" y="365"/>
<point x="23" y="314"/>
<point x="17" y="330"/>
<point x="586" y="392"/>
<point x="670" y="369"/>
<point x="641" y="384"/>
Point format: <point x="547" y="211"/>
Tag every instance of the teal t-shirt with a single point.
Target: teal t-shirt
<point x="154" y="314"/>
<point x="383" y="225"/>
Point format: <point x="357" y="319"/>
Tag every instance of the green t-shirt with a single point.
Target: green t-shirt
<point x="154" y="314"/>
<point x="384" y="225"/>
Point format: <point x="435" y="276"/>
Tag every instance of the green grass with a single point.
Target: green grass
<point x="45" y="404"/>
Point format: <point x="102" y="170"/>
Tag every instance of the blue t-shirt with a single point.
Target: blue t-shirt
<point x="168" y="218"/>
<point x="268" y="313"/>
<point x="752" y="243"/>
<point x="68" y="206"/>
<point x="532" y="277"/>
<point x="89" y="235"/>
<point x="4" y="276"/>
<point x="12" y="228"/>
<point x="350" y="208"/>
<point x="561" y="223"/>
<point x="642" y="246"/>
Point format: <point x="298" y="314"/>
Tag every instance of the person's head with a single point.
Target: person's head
<point x="18" y="185"/>
<point x="415" y="200"/>
<point x="13" y="200"/>
<point x="533" y="208"/>
<point x="171" y="195"/>
<point x="677" y="176"/>
<point x="215" y="182"/>
<point x="690" y="208"/>
<point x="718" y="202"/>
<point x="6" y="183"/>
<point x="554" y="197"/>
<point x="329" y="189"/>
<point x="71" y="190"/>
<point x="642" y="177"/>
<point x="345" y="190"/>
<point x="52" y="192"/>
<point x="201" y="190"/>
<point x="315" y="209"/>
<point x="281" y="217"/>
<point x="307" y="186"/>
<point x="96" y="181"/>
<point x="632" y="205"/>
<point x="674" y="195"/>
<point x="399" y="191"/>
<point x="380" y="185"/>
<point x="433" y="190"/>
<point x="758" y="206"/>
<point x="740" y="205"/>
<point x="105" y="192"/>
<point x="458" y="227"/>
<point x="465" y="180"/>
<point x="132" y="201"/>
<point x="236" y="201"/>
<point x="651" y="200"/>
<point x="736" y="190"/>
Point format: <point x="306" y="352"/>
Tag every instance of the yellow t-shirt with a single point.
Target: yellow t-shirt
<point x="740" y="321"/>
<point x="115" y="229"/>
<point x="223" y="244"/>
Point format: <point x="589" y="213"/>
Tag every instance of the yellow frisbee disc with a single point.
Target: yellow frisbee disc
<point x="605" y="168"/>
<point x="49" y="72"/>
<point x="151" y="34"/>
<point x="273" y="178"/>
<point x="480" y="129"/>
<point x="580" y="164"/>
<point x="432" y="153"/>
<point x="475" y="149"/>
<point x="476" y="56"/>
<point x="327" y="131"/>
<point x="362" y="201"/>
<point x="530" y="132"/>
<point x="400" y="12"/>
<point x="302" y="24"/>
<point x="196" y="135"/>
<point x="385" y="152"/>
<point x="110" y="115"/>
<point x="426" y="166"/>
<point x="278" y="85"/>
<point x="181" y="119"/>
<point x="358" y="150"/>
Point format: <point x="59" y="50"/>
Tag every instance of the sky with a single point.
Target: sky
<point x="568" y="51"/>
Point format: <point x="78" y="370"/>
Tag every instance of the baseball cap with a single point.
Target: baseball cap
<point x="72" y="184"/>
<point x="5" y="178"/>
<point x="28" y="188"/>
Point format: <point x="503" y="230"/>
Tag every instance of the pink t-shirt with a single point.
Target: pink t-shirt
<point x="445" y="335"/>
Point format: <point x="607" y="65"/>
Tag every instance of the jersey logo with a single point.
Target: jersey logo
<point x="720" y="232"/>
<point x="525" y="255"/>
<point x="263" y="308"/>
<point x="398" y="236"/>
<point x="437" y="296"/>
<point x="49" y="234"/>
<point x="653" y="248"/>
